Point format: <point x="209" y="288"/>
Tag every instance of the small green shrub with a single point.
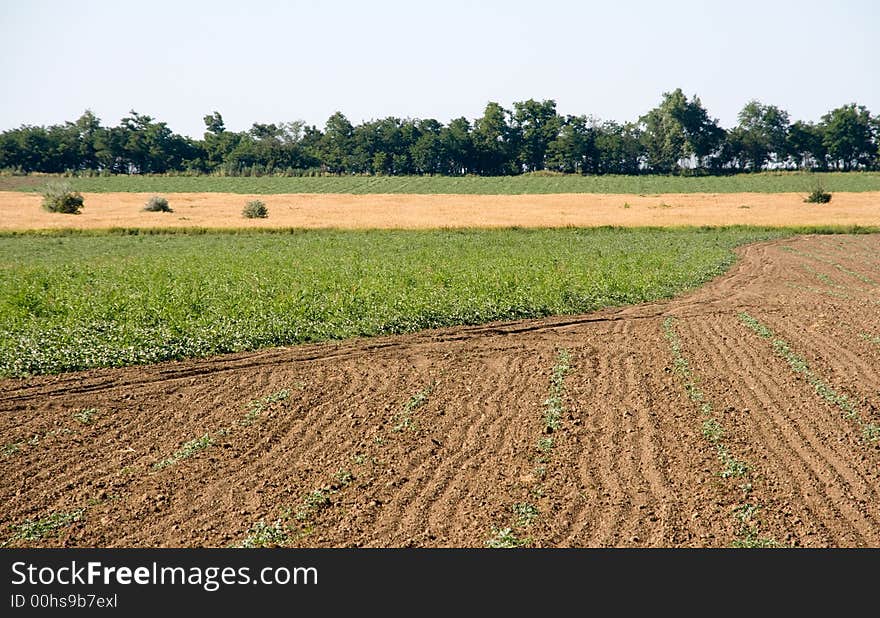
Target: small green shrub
<point x="157" y="203"/>
<point x="505" y="538"/>
<point x="818" y="196"/>
<point x="60" y="197"/>
<point x="255" y="210"/>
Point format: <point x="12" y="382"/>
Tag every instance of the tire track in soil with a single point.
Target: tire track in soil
<point x="660" y="521"/>
<point x="616" y="464"/>
<point x="848" y="250"/>
<point x="416" y="508"/>
<point x="773" y="453"/>
<point x="395" y="505"/>
<point x="203" y="507"/>
<point x="490" y="435"/>
<point x="401" y="454"/>
<point x="325" y="440"/>
<point x="592" y="463"/>
<point x="376" y="492"/>
<point x="664" y="496"/>
<point x="687" y="466"/>
<point x="639" y="475"/>
<point x="850" y="446"/>
<point x="88" y="466"/>
<point x="831" y="417"/>
<point x="572" y="458"/>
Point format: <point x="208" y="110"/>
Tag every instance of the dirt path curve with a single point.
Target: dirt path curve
<point x="679" y="425"/>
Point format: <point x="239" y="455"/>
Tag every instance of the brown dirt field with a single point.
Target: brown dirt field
<point x="629" y="465"/>
<point x="21" y="211"/>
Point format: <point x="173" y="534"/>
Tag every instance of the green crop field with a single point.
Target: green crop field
<point x="79" y="300"/>
<point x="767" y="182"/>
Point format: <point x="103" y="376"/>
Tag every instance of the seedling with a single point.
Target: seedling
<point x="11" y="448"/>
<point x="86" y="416"/>
<point x="731" y="466"/>
<point x="553" y="405"/>
<point x="525" y="513"/>
<point x="186" y="451"/>
<point x="747" y="529"/>
<point x="505" y="538"/>
<point x="36" y="529"/>
<point x="404" y="417"/>
<point x="258" y="406"/>
<point x="262" y="534"/>
<point x="343" y="477"/>
<point x="314" y="502"/>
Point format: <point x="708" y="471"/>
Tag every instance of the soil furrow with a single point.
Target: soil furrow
<point x="828" y="473"/>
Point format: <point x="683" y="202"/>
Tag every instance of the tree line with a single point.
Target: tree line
<point x="677" y="136"/>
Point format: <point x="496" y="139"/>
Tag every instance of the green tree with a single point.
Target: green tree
<point x="574" y="149"/>
<point x="87" y="130"/>
<point x="535" y="126"/>
<point x="850" y="135"/>
<point x="214" y="123"/>
<point x="679" y="129"/>
<point x="428" y="153"/>
<point x="458" y="147"/>
<point x="663" y="134"/>
<point x="336" y="144"/>
<point x="218" y="143"/>
<point x="761" y="135"/>
<point x="806" y="145"/>
<point x="619" y="148"/>
<point x="492" y="142"/>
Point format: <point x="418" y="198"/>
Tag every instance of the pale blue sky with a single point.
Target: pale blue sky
<point x="271" y="61"/>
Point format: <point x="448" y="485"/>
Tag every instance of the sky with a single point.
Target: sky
<point x="273" y="61"/>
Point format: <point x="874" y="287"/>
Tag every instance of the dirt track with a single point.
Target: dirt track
<point x="630" y="465"/>
<point x="22" y="211"/>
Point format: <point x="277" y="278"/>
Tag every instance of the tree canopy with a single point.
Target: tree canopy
<point x="677" y="136"/>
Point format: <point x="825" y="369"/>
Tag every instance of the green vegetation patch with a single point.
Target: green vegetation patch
<point x="85" y="416"/>
<point x="870" y="338"/>
<point x="767" y="182"/>
<point x="77" y="301"/>
<point x="186" y="451"/>
<point x="404" y="419"/>
<point x="36" y="529"/>
<point x="256" y="407"/>
<point x="261" y="534"/>
<point x="506" y="538"/>
<point x="554" y="406"/>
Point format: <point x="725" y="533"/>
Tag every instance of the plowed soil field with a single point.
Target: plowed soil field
<point x="22" y="211"/>
<point x="743" y="413"/>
